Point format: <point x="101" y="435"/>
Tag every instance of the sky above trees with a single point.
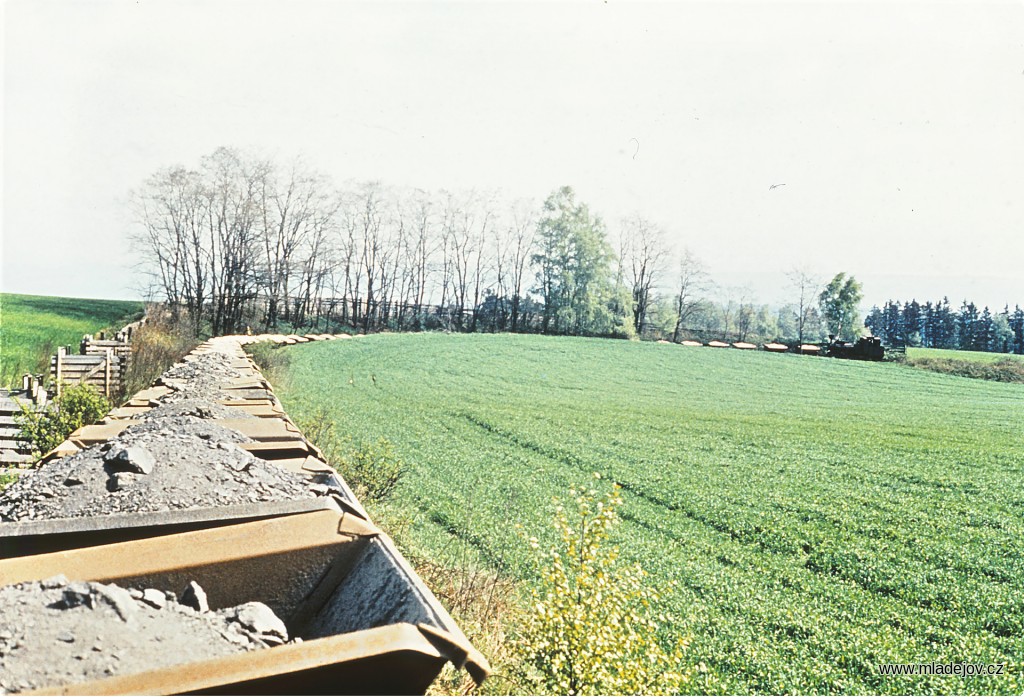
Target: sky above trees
<point x="896" y="129"/>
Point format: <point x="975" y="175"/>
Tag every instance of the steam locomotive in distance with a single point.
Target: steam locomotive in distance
<point x="867" y="348"/>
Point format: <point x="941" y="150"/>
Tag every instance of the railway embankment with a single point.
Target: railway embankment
<point x="198" y="513"/>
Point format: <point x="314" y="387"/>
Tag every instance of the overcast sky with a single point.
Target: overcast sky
<point x="897" y="128"/>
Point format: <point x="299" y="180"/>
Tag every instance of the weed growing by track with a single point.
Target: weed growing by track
<point x="156" y="346"/>
<point x="820" y="516"/>
<point x="370" y="467"/>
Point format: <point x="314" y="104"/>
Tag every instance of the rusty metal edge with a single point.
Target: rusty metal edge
<point x="238" y="512"/>
<point x="474" y="656"/>
<point x="242" y="540"/>
<point x="280" y="660"/>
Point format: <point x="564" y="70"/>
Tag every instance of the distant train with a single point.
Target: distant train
<point x="868" y="348"/>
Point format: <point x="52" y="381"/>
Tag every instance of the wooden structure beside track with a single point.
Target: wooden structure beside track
<point x="100" y="362"/>
<point x="14" y="451"/>
<point x="104" y="371"/>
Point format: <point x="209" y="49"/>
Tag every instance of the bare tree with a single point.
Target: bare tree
<point x="693" y="283"/>
<point x="370" y="223"/>
<point x="317" y="255"/>
<point x="391" y="257"/>
<point x="643" y="254"/>
<point x="501" y="292"/>
<point x="523" y="224"/>
<point x="172" y="210"/>
<point x="484" y="205"/>
<point x="447" y="249"/>
<point x="745" y="313"/>
<point x="296" y="209"/>
<point x="233" y="184"/>
<point x="422" y="249"/>
<point x="806" y="289"/>
<point x="467" y="221"/>
<point x="350" y="248"/>
<point x="200" y="230"/>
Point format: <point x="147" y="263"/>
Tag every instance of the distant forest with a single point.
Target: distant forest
<point x="938" y="325"/>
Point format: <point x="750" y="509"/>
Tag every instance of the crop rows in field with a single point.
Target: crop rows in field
<point x="820" y="516"/>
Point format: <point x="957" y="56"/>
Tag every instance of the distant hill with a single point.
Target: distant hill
<point x="32" y="326"/>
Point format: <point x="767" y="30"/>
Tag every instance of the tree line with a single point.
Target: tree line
<point x="243" y="242"/>
<point x="938" y="325"/>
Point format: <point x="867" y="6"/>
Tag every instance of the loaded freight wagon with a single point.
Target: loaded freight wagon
<point x="194" y="541"/>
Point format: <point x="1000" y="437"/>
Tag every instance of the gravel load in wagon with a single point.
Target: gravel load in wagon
<point x="56" y="632"/>
<point x="174" y="463"/>
<point x="199" y="408"/>
<point x="201" y="377"/>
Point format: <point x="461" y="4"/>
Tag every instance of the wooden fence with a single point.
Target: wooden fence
<point x="103" y="371"/>
<point x="99" y="347"/>
<point x="101" y="362"/>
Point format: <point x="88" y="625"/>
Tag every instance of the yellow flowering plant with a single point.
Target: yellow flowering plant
<point x="592" y="623"/>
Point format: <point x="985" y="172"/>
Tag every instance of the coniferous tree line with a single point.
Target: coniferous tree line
<point x="938" y="325"/>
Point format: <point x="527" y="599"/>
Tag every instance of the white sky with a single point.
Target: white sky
<point x="897" y="128"/>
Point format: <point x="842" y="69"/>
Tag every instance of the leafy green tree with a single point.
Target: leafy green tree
<point x="839" y="302"/>
<point x="1002" y="333"/>
<point x="77" y="406"/>
<point x="892" y="318"/>
<point x="574" y="268"/>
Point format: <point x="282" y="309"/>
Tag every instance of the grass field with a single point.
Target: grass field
<point x="980" y="356"/>
<point x="32" y="326"/>
<point x="820" y="516"/>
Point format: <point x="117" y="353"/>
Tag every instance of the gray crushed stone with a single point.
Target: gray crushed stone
<point x="191" y="462"/>
<point x="200" y="377"/>
<point x="200" y="408"/>
<point x="56" y="632"/>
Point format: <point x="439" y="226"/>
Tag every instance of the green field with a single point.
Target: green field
<point x="981" y="356"/>
<point x="820" y="516"/>
<point x="32" y="326"/>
